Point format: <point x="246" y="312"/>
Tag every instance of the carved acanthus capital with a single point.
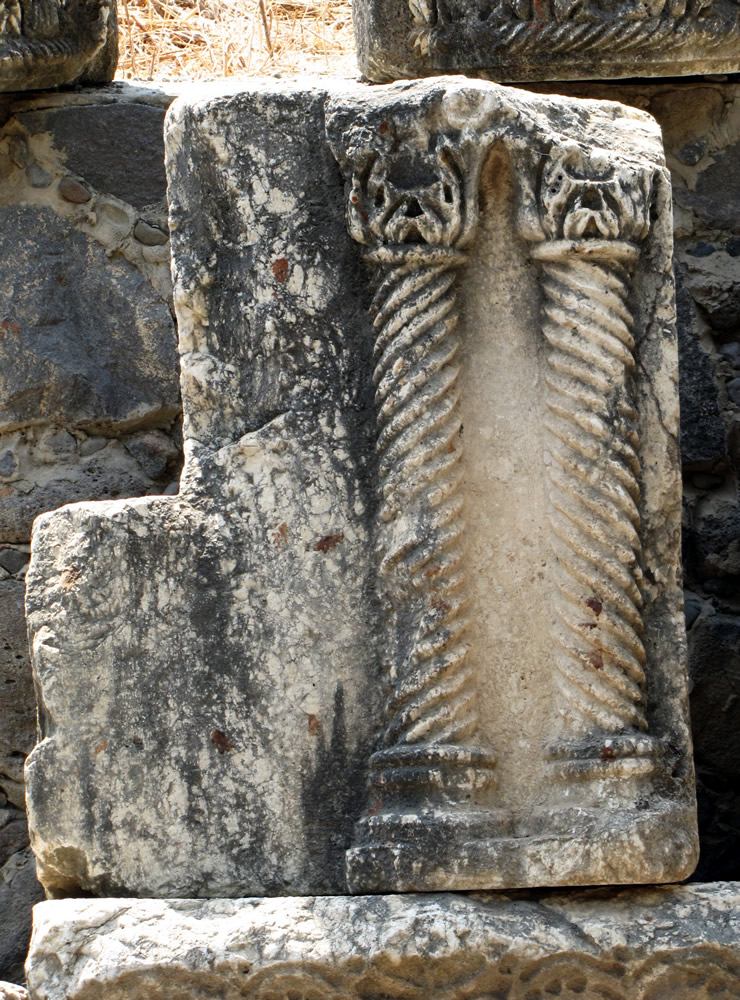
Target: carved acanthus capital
<point x="424" y="13"/>
<point x="581" y="197"/>
<point x="413" y="196"/>
<point x="10" y="18"/>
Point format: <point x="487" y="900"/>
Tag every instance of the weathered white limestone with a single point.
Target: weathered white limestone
<point x="551" y="40"/>
<point x="9" y="991"/>
<point x="643" y="944"/>
<point x="495" y="637"/>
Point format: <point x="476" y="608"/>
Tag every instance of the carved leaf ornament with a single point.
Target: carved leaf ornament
<point x="415" y="212"/>
<point x="569" y="977"/>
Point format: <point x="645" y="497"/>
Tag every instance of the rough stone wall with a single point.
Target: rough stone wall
<point x="89" y="392"/>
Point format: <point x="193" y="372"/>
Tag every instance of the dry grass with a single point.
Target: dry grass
<point x="207" y="39"/>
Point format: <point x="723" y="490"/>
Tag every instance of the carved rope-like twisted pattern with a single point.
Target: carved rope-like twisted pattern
<point x="17" y="51"/>
<point x="593" y="484"/>
<point x="518" y="37"/>
<point x="420" y="525"/>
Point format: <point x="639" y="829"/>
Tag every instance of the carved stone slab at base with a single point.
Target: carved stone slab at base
<point x="45" y="43"/>
<point x="417" y="600"/>
<point x="512" y="40"/>
<point x="645" y="944"/>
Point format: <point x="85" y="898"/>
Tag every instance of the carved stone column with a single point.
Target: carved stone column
<point x="427" y="779"/>
<point x="592" y="224"/>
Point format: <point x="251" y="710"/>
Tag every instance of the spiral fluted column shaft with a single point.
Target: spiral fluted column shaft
<point x="594" y="490"/>
<point x="419" y="448"/>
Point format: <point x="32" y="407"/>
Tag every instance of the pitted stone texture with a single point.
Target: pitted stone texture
<point x="235" y="723"/>
<point x="45" y="43"/>
<point x="17" y="702"/>
<point x="19" y="891"/>
<point x="629" y="945"/>
<point x="517" y="40"/>
<point x="94" y="367"/>
<point x="250" y="653"/>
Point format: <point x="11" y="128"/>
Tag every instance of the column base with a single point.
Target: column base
<point x="561" y="846"/>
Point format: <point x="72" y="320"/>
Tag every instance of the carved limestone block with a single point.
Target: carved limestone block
<point x="632" y="944"/>
<point x="414" y="619"/>
<point x="45" y="43"/>
<point x="512" y="40"/>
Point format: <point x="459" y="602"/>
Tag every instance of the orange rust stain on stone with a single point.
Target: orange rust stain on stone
<point x="595" y="604"/>
<point x="596" y="660"/>
<point x="221" y="741"/>
<point x="280" y="535"/>
<point x="70" y="577"/>
<point x="280" y="269"/>
<point x="328" y="542"/>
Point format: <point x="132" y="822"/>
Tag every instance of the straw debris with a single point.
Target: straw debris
<point x="206" y="39"/>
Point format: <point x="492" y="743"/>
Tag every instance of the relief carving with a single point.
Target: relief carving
<point x="430" y="757"/>
<point x="516" y="30"/>
<point x="44" y="43"/>
<point x="593" y="220"/>
<point x="462" y="664"/>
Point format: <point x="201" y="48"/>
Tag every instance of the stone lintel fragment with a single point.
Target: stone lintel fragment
<point x="414" y="620"/>
<point x="46" y="43"/>
<point x="639" y="944"/>
<point x="518" y="40"/>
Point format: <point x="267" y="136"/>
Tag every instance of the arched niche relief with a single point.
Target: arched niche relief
<point x="522" y="742"/>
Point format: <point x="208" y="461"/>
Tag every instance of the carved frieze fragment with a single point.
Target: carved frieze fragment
<point x="414" y="620"/>
<point x="512" y="40"/>
<point x="631" y="944"/>
<point x="45" y="43"/>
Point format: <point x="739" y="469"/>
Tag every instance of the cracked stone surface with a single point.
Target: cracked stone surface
<point x="630" y="945"/>
<point x="259" y="653"/>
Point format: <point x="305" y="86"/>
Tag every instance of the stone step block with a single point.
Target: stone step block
<point x="641" y="944"/>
